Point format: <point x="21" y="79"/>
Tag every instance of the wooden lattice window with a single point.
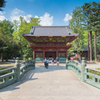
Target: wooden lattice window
<point x="38" y="51"/>
<point x="61" y="51"/>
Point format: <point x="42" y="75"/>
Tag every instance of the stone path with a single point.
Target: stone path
<point x="55" y="83"/>
<point x="93" y="65"/>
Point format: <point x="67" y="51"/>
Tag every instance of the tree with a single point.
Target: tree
<point x="2" y="4"/>
<point x="24" y="27"/>
<point x="6" y="29"/>
<point x="76" y="27"/>
<point x="7" y="44"/>
<point x="95" y="23"/>
<point x="5" y="35"/>
<point x="86" y="9"/>
<point x="92" y="16"/>
<point x="88" y="18"/>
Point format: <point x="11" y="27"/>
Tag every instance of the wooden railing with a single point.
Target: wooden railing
<point x="84" y="73"/>
<point x="14" y="74"/>
<point x="49" y="45"/>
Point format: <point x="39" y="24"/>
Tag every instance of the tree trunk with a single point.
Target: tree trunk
<point x="95" y="47"/>
<point x="7" y="57"/>
<point x="2" y="56"/>
<point x="90" y="45"/>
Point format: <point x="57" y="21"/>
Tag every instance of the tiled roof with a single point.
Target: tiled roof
<point x="50" y="31"/>
<point x="85" y="48"/>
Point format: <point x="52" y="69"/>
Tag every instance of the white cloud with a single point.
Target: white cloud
<point x="45" y="20"/>
<point x="29" y="16"/>
<point x="1" y="13"/>
<point x="2" y="17"/>
<point x="36" y="16"/>
<point x="16" y="13"/>
<point x="67" y="17"/>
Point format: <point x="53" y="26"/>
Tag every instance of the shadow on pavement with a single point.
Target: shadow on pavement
<point x="29" y="77"/>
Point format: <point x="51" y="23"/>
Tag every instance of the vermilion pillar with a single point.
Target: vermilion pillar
<point x="56" y="53"/>
<point x="43" y="54"/>
<point x="66" y="53"/>
<point x="33" y="53"/>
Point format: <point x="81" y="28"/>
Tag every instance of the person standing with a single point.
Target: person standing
<point x="45" y="60"/>
<point x="47" y="63"/>
<point x="52" y="60"/>
<point x="57" y="59"/>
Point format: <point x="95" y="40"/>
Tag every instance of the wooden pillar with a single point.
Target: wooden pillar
<point x="33" y="53"/>
<point x="57" y="53"/>
<point x="43" y="54"/>
<point x="66" y="53"/>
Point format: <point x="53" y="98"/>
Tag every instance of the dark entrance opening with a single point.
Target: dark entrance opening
<point x="50" y="55"/>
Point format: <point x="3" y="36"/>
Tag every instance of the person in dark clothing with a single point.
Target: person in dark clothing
<point x="45" y="60"/>
<point x="57" y="60"/>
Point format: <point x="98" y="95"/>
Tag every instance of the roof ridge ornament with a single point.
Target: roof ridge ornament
<point x="32" y="29"/>
<point x="69" y="33"/>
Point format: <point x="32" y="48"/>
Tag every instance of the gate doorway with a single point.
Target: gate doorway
<point x="50" y="55"/>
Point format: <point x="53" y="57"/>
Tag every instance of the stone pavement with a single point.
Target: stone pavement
<point x="93" y="65"/>
<point x="55" y="83"/>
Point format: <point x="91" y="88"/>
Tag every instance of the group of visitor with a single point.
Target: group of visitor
<point x="46" y="61"/>
<point x="57" y="61"/>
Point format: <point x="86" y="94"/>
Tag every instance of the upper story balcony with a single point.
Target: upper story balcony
<point x="49" y="45"/>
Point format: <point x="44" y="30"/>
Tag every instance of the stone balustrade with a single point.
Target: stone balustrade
<point x="83" y="72"/>
<point x="14" y="74"/>
<point x="74" y="66"/>
<point x="92" y="78"/>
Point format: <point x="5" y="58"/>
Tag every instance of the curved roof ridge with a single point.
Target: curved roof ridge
<point x="50" y="26"/>
<point x="51" y="31"/>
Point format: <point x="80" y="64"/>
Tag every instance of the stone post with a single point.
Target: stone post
<point x="83" y="69"/>
<point x="29" y="61"/>
<point x="34" y="62"/>
<point x="66" y="63"/>
<point x="17" y="65"/>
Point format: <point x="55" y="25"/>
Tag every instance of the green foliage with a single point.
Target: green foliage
<point x="91" y="13"/>
<point x="20" y="58"/>
<point x="94" y="72"/>
<point x="90" y="77"/>
<point x="2" y="68"/>
<point x="11" y="40"/>
<point x="24" y="27"/>
<point x="86" y="18"/>
<point x="8" y="46"/>
<point x="76" y="27"/>
<point x="27" y="53"/>
<point x="98" y="68"/>
<point x="2" y="4"/>
<point x="6" y="72"/>
<point x="98" y="73"/>
<point x="6" y="29"/>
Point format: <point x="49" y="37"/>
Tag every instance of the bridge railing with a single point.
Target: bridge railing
<point x="74" y="66"/>
<point x="92" y="76"/>
<point x="25" y="66"/>
<point x="14" y="74"/>
<point x="8" y="78"/>
<point x="88" y="75"/>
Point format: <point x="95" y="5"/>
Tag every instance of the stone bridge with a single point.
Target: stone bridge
<point x="54" y="83"/>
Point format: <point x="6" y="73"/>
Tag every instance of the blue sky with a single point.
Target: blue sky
<point x="50" y="12"/>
